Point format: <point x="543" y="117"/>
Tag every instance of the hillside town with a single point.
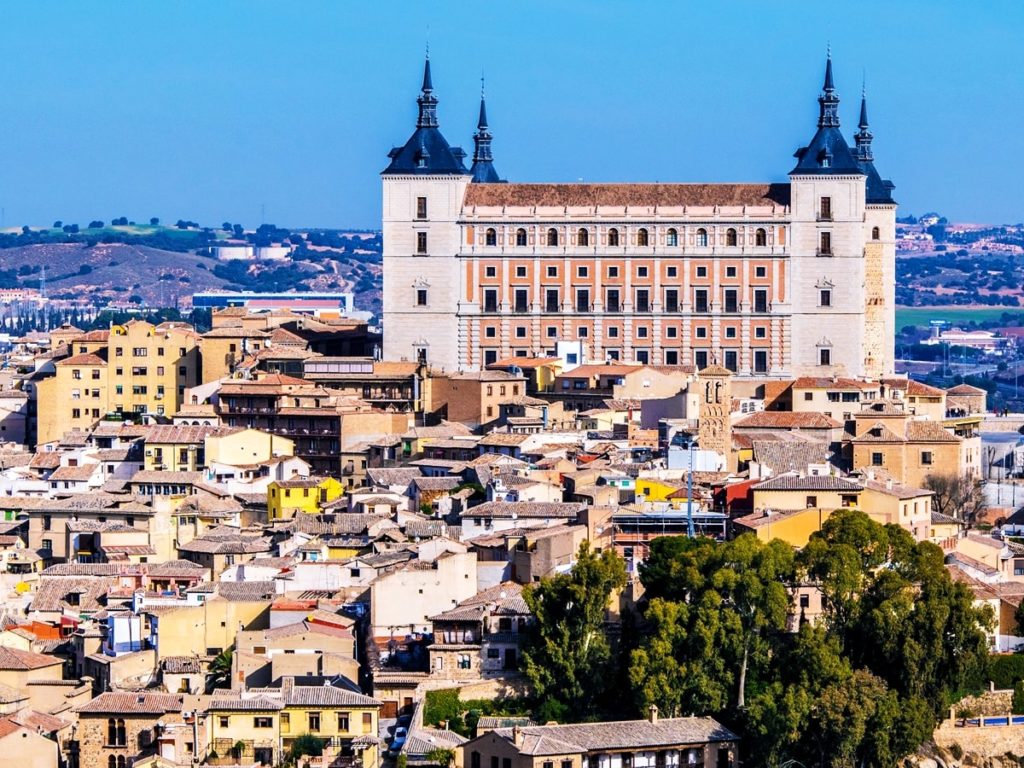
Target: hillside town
<point x="625" y="479"/>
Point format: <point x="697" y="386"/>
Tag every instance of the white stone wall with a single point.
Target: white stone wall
<point x="408" y="327"/>
<point x="841" y="326"/>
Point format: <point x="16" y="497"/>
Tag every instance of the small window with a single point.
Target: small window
<point x="613" y="271"/>
<point x="760" y="271"/>
<point x="520" y="271"/>
<point x="700" y="332"/>
<point x="613" y="236"/>
<point x="582" y="237"/>
<point x="421" y="297"/>
<point x="671" y="357"/>
<point x="671" y="332"/>
<point x="760" y="237"/>
<point x="490" y="271"/>
<point x="582" y="271"/>
<point x="552" y="271"/>
<point x="672" y="238"/>
<point x="825" y="356"/>
<point x="642" y="237"/>
<point x="760" y="332"/>
<point x="760" y="361"/>
<point x="490" y="236"/>
<point x="702" y="239"/>
<point x="641" y="332"/>
<point x="421" y="243"/>
<point x="702" y="271"/>
<point x="825" y="244"/>
<point x="520" y="237"/>
<point x="730" y="237"/>
<point x="671" y="271"/>
<point x="641" y="271"/>
<point x="490" y="332"/>
<point x="732" y="360"/>
<point x="876" y="234"/>
<point x="825" y="298"/>
<point x="811" y="502"/>
<point x="730" y="271"/>
<point x="582" y="332"/>
<point x="613" y="332"/>
<point x="520" y="331"/>
<point x="552" y="331"/>
<point x="730" y="332"/>
<point x="552" y="236"/>
<point x="877" y="459"/>
<point x="926" y="458"/>
<point x="826" y="209"/>
<point x="421" y="207"/>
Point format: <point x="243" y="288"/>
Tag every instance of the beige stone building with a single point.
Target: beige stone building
<point x="767" y="280"/>
<point x="132" y="369"/>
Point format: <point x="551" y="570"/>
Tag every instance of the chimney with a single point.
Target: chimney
<point x="652" y="713"/>
<point x="517" y="736"/>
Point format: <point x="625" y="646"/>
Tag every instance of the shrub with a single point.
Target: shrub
<point x="1017" y="706"/>
<point x="1006" y="670"/>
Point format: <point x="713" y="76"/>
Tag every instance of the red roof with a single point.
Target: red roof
<point x="787" y="420"/>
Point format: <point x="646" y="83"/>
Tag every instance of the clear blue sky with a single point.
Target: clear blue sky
<point x="210" y="110"/>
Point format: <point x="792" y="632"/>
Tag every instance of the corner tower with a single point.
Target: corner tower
<point x="827" y="206"/>
<point x="423" y="188"/>
<point x="483" y="162"/>
<point x="879" y="255"/>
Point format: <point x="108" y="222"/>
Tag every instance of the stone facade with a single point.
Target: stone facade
<point x="768" y="280"/>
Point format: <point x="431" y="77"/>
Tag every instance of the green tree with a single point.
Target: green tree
<point x="306" y="744"/>
<point x="441" y="757"/>
<point x="567" y="657"/>
<point x="218" y="675"/>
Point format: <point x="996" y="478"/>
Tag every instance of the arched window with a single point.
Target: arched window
<point x="111" y="762"/>
<point x="582" y="237"/>
<point x="520" y="236"/>
<point x="552" y="236"/>
<point x="122" y="761"/>
<point x="613" y="236"/>
<point x="702" y="238"/>
<point x="642" y="237"/>
<point x="730" y="236"/>
<point x="760" y="237"/>
<point x="490" y="236"/>
<point x="111" y="732"/>
<point x="875" y="233"/>
<point x="672" y="238"/>
<point x="122" y="737"/>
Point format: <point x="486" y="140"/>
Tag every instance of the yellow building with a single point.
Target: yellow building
<point x="138" y="368"/>
<point x="225" y="347"/>
<point x="286" y="498"/>
<point x="653" y="489"/>
<point x="241" y="447"/>
<point x="207" y="628"/>
<point x="260" y="724"/>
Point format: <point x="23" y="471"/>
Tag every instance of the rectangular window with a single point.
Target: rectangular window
<point x="490" y="300"/>
<point x="421" y="297"/>
<point x="700" y="332"/>
<point x="760" y="300"/>
<point x="490" y="332"/>
<point x="421" y="207"/>
<point x="611" y="303"/>
<point x="343" y="722"/>
<point x="520" y="271"/>
<point x="730" y="332"/>
<point x="520" y="331"/>
<point x="421" y="243"/>
<point x="490" y="271"/>
<point x="642" y="356"/>
<point x="825" y="244"/>
<point x="671" y="332"/>
<point x="314" y="721"/>
<point x="760" y="361"/>
<point x="671" y="300"/>
<point x="139" y="352"/>
<point x="641" y="271"/>
<point x="641" y="332"/>
<point x="224" y="720"/>
<point x="926" y="458"/>
<point x="582" y="332"/>
<point x="613" y="271"/>
<point x="490" y="355"/>
<point x="877" y="459"/>
<point x="582" y="300"/>
<point x="643" y="301"/>
<point x="671" y="271"/>
<point x="826" y="209"/>
<point x="552" y="271"/>
<point x="825" y="298"/>
<point x="811" y="502"/>
<point x="760" y="332"/>
<point x="700" y="300"/>
<point x="521" y="300"/>
<point x="551" y="302"/>
<point x="825" y="356"/>
<point x="582" y="271"/>
<point x="262" y="722"/>
<point x="732" y="360"/>
<point x="730" y="271"/>
<point x="671" y="357"/>
<point x="731" y="300"/>
<point x="760" y="271"/>
<point x="613" y="332"/>
<point x="702" y="271"/>
<point x="552" y="331"/>
<point x="700" y="358"/>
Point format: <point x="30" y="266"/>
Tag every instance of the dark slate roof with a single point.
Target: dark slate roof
<point x="426" y="152"/>
<point x="827" y="142"/>
<point x="878" y="191"/>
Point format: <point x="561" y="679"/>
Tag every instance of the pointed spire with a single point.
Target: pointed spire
<point x="483" y="166"/>
<point x="828" y="116"/>
<point x="427" y="101"/>
<point x="482" y="122"/>
<point x="863" y="137"/>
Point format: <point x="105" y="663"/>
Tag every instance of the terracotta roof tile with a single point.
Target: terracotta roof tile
<point x="646" y="195"/>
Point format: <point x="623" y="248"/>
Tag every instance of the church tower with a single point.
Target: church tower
<point x="424" y="186"/>
<point x="714" y="432"/>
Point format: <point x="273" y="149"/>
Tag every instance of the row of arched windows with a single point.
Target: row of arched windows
<point x="643" y="237"/>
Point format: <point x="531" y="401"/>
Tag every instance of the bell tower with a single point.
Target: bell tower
<point x="714" y="432"/>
